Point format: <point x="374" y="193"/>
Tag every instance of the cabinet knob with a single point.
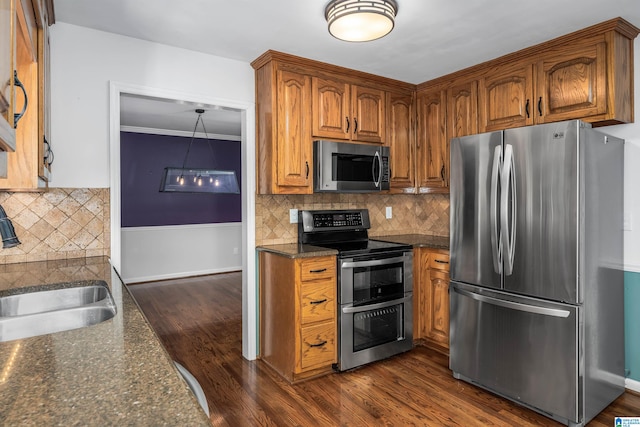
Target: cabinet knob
<point x="355" y="125"/>
<point x="320" y="344"/>
<point x="321" y="270"/>
<point x="306" y="164"/>
<point x="318" y="302"/>
<point x="526" y="108"/>
<point x="540" y="106"/>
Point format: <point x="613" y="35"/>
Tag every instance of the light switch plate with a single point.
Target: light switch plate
<point x="388" y="212"/>
<point x="293" y="216"/>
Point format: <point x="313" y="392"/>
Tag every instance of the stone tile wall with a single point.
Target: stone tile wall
<point x="58" y="224"/>
<point x="425" y="214"/>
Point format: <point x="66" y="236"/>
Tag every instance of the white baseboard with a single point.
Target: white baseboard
<point x="133" y="280"/>
<point x="632" y="385"/>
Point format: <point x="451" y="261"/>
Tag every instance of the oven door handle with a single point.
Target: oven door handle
<point x="351" y="309"/>
<point x="371" y="263"/>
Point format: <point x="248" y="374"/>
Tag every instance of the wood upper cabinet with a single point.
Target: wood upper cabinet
<point x="298" y="326"/>
<point x="462" y="109"/>
<point x="506" y="97"/>
<point x="294" y="155"/>
<point x="7" y="131"/>
<point x="28" y="167"/>
<point x="401" y="141"/>
<point x="347" y="111"/>
<point x="431" y="297"/>
<point x="431" y="142"/>
<point x="284" y="148"/>
<point x="588" y="79"/>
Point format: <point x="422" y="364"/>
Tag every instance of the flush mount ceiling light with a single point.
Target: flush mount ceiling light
<point x="360" y="20"/>
<point x="198" y="180"/>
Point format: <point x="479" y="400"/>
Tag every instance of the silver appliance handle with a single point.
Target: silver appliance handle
<point x="368" y="307"/>
<point x="514" y="305"/>
<point x="371" y="263"/>
<point x="377" y="182"/>
<point x="496" y="248"/>
<point x="508" y="205"/>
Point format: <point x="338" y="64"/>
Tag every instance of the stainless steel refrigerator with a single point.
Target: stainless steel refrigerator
<point x="536" y="267"/>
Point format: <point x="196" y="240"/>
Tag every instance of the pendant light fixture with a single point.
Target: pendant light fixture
<point x="360" y="20"/>
<point x="198" y="180"/>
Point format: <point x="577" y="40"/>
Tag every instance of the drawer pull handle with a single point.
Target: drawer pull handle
<point x="321" y="270"/>
<point x="318" y="302"/>
<point x="320" y="344"/>
<point x="441" y="262"/>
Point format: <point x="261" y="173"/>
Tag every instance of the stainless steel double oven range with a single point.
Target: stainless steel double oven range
<point x="375" y="285"/>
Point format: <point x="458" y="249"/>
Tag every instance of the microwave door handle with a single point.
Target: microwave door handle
<point x="376" y="181"/>
<point x="368" y="307"/>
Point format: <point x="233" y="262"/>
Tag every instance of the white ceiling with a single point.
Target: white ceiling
<point x="431" y="37"/>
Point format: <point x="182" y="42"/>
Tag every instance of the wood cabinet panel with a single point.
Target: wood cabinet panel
<point x="462" y="110"/>
<point x="368" y="114"/>
<point x="331" y="109"/>
<point x="431" y="297"/>
<point x="318" y="346"/>
<point x="401" y="141"/>
<point x="293" y="142"/>
<point x="7" y="132"/>
<point x="431" y="142"/>
<point x="317" y="268"/>
<point x="318" y="301"/>
<point x="506" y="98"/>
<point x="572" y="84"/>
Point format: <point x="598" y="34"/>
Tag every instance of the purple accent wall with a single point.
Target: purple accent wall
<point x="143" y="158"/>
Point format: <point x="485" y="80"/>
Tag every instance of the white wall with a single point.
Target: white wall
<point x="84" y="61"/>
<point x="631" y="134"/>
<point x="157" y="253"/>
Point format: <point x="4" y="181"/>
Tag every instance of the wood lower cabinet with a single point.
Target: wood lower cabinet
<point x="298" y="326"/>
<point x="348" y="112"/>
<point x="431" y="297"/>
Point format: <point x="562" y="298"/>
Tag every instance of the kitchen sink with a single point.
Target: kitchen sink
<point x="44" y="311"/>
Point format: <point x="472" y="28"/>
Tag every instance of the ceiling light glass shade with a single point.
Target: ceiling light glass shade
<point x="360" y="20"/>
<point x="199" y="181"/>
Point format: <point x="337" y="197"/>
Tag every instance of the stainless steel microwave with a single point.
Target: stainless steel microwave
<point x="350" y="168"/>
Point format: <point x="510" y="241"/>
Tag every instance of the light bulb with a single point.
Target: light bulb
<point x="217" y="183"/>
<point x="181" y="180"/>
<point x="200" y="181"/>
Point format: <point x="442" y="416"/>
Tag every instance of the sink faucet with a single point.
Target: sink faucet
<point x="9" y="238"/>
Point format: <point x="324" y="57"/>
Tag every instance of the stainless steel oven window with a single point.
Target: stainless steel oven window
<point x="376" y="327"/>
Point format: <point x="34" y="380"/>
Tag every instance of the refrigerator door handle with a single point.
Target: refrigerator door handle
<point x="508" y="209"/>
<point x="554" y="312"/>
<point x="496" y="243"/>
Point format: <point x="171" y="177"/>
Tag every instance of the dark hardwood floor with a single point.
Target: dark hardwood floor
<point x="199" y="322"/>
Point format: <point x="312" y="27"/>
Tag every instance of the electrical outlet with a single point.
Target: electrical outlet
<point x="388" y="212"/>
<point x="293" y="216"/>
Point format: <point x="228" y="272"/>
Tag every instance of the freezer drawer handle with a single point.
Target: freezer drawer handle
<point x="515" y="305"/>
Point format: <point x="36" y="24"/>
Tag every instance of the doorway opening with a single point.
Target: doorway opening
<point x="126" y="95"/>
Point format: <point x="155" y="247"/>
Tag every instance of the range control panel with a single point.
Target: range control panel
<point x="334" y="220"/>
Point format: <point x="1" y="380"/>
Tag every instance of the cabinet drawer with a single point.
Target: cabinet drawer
<point x="318" y="345"/>
<point x="439" y="261"/>
<point x="317" y="268"/>
<point x="318" y="301"/>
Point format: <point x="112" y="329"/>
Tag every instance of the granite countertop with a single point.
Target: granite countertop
<point x="417" y="240"/>
<point x="112" y="373"/>
<point x="295" y="250"/>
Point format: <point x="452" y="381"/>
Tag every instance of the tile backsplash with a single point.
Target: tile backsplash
<point x="424" y="214"/>
<point x="60" y="223"/>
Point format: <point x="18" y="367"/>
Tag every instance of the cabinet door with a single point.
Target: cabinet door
<point x="572" y="84"/>
<point x="331" y="109"/>
<point x="368" y="114"/>
<point x="437" y="322"/>
<point x="45" y="151"/>
<point x="294" y="148"/>
<point x="431" y="142"/>
<point x="462" y="110"/>
<point x="420" y="278"/>
<point x="506" y="97"/>
<point x="7" y="132"/>
<point x="401" y="142"/>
